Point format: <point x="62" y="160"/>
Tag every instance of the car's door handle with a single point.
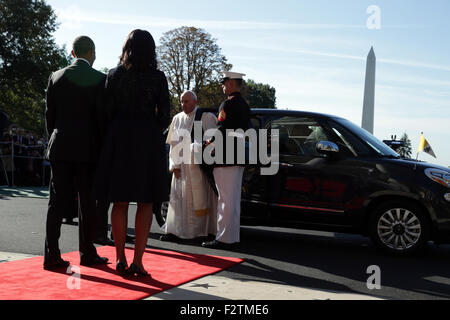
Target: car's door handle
<point x="286" y="165"/>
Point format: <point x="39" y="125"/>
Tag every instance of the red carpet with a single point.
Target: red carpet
<point x="27" y="280"/>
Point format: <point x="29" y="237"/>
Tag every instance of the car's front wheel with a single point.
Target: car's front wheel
<point x="160" y="212"/>
<point x="399" y="227"/>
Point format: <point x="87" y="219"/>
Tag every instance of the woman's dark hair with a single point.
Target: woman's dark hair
<point x="139" y="51"/>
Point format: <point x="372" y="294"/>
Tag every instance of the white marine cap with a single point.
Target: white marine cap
<point x="227" y="75"/>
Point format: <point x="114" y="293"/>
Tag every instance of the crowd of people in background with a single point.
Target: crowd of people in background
<point x="22" y="158"/>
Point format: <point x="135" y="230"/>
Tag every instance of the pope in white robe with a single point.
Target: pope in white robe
<point x="192" y="211"/>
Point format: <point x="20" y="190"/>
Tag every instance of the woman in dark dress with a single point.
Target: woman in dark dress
<point x="132" y="166"/>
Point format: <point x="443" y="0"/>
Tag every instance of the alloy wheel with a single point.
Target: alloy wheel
<point x="399" y="229"/>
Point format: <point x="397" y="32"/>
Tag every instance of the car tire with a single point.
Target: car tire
<point x="399" y="227"/>
<point x="160" y="212"/>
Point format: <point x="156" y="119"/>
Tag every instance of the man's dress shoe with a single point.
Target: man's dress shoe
<point x="56" y="264"/>
<point x="169" y="237"/>
<point x="96" y="260"/>
<point x="219" y="245"/>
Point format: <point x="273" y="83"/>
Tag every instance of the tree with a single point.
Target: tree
<point x="259" y="95"/>
<point x="211" y="96"/>
<point x="192" y="60"/>
<point x="28" y="54"/>
<point x="405" y="151"/>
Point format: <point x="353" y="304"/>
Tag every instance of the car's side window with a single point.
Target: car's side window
<point x="348" y="141"/>
<point x="299" y="136"/>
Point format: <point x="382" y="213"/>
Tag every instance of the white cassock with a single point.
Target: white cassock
<point x="193" y="203"/>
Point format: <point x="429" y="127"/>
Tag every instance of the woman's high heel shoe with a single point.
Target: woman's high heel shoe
<point x="135" y="269"/>
<point x="122" y="268"/>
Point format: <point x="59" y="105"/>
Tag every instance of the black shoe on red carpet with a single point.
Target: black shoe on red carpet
<point x="56" y="264"/>
<point x="91" y="261"/>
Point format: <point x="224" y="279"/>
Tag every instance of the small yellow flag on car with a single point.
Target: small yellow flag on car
<point x="425" y="146"/>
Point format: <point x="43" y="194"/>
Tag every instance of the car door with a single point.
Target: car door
<point x="311" y="187"/>
<point x="254" y="185"/>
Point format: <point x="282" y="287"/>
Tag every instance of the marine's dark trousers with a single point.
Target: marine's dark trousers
<point x="64" y="176"/>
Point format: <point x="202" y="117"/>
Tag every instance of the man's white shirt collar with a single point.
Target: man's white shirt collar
<point x="84" y="61"/>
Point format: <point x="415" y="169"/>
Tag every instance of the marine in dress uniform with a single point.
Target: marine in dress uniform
<point x="234" y="113"/>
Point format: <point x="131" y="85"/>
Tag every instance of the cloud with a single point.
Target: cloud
<point x="337" y="55"/>
<point x="73" y="15"/>
<point x="415" y="64"/>
<point x="122" y="19"/>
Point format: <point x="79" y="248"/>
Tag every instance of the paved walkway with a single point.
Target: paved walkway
<point x="25" y="192"/>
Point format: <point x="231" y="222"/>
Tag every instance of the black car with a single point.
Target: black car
<point x="335" y="176"/>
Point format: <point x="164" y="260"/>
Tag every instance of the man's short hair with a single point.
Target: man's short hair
<point x="82" y="45"/>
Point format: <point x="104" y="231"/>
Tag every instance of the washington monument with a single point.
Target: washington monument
<point x="369" y="93"/>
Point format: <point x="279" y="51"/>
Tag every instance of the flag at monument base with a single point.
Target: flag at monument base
<point x="425" y="146"/>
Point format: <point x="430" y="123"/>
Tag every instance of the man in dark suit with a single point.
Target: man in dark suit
<point x="74" y="124"/>
<point x="102" y="224"/>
